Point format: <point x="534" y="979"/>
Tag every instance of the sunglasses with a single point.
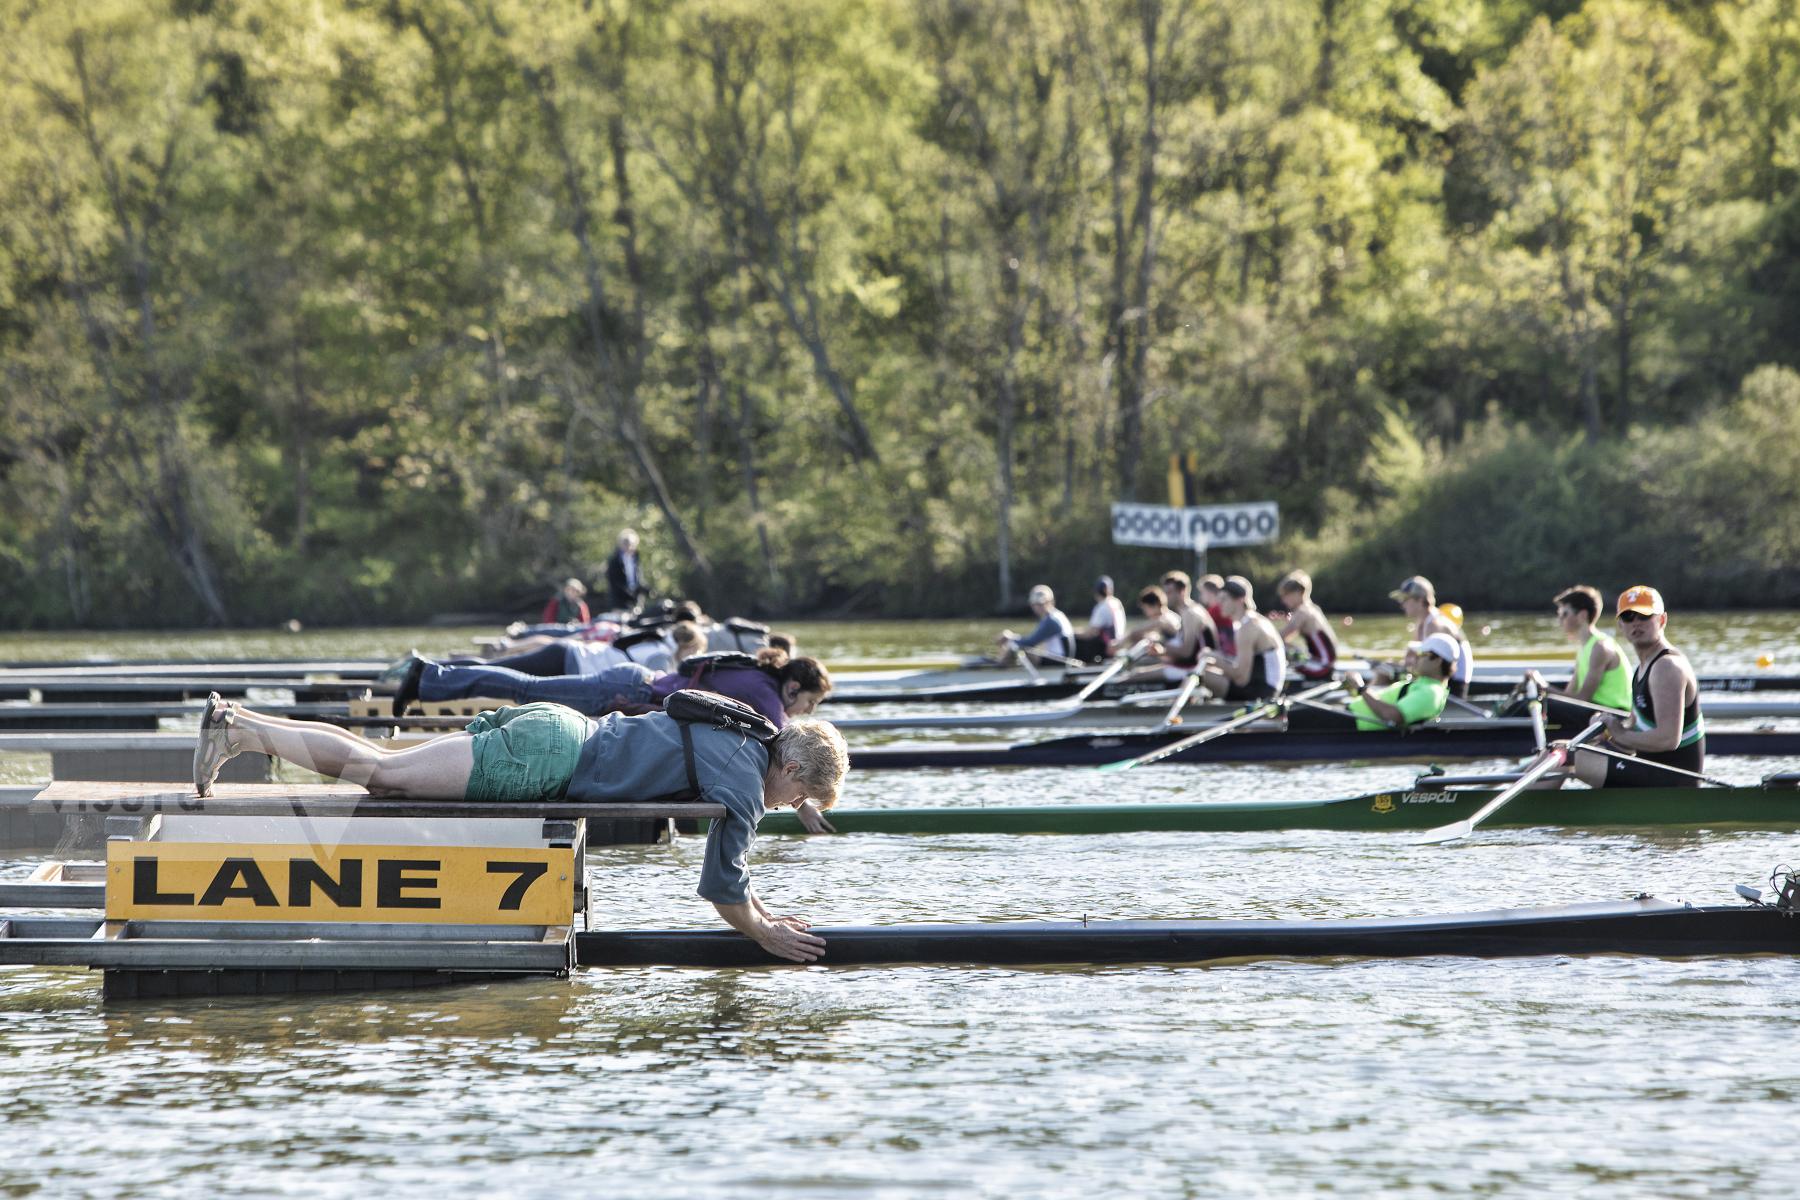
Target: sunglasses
<point x="1632" y="618"/>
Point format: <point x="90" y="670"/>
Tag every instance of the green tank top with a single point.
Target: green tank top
<point x="1615" y="686"/>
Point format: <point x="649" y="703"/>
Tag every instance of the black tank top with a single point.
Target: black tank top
<point x="1643" y="710"/>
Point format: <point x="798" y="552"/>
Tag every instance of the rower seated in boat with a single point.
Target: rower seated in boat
<point x="1160" y="625"/>
<point x="1211" y="592"/>
<point x="1053" y="637"/>
<point x="1418" y="600"/>
<point x="1181" y="657"/>
<point x="1106" y="624"/>
<point x="1665" y="728"/>
<point x="1419" y="695"/>
<point x="1257" y="668"/>
<point x="1601" y="676"/>
<point x="1306" y="622"/>
<point x="539" y="753"/>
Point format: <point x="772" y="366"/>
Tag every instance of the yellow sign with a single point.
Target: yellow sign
<point x="448" y="885"/>
<point x="1384" y="803"/>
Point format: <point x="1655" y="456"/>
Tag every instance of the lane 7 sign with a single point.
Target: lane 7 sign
<point x="450" y="885"/>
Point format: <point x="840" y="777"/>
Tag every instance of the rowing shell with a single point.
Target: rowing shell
<point x="1438" y="742"/>
<point x="1643" y="926"/>
<point x="1140" y="715"/>
<point x="1413" y="808"/>
<point x="1027" y="691"/>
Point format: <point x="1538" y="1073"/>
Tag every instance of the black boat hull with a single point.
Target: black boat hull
<point x="1647" y="927"/>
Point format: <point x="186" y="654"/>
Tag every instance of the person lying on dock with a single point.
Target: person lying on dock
<point x="1053" y="637"/>
<point x="1601" y="676"/>
<point x="1420" y="695"/>
<point x="1665" y="726"/>
<point x="772" y="683"/>
<point x="1307" y="622"/>
<point x="542" y="753"/>
<point x="1258" y="667"/>
<point x="656" y="649"/>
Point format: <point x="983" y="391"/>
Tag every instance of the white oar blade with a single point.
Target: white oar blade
<point x="1453" y="832"/>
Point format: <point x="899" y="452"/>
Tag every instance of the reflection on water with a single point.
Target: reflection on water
<point x="1613" y="1076"/>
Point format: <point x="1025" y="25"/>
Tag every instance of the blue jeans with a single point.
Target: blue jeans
<point x="603" y="691"/>
<point x="545" y="660"/>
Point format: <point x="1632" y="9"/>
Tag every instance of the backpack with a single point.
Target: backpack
<point x="691" y="708"/>
<point x="698" y="666"/>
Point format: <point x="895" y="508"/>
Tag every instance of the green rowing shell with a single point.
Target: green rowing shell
<point x="1413" y="808"/>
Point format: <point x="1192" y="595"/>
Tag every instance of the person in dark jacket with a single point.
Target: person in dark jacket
<point x="624" y="575"/>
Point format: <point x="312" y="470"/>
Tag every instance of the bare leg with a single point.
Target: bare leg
<point x="437" y="770"/>
<point x="1214" y="682"/>
<point x="1591" y="768"/>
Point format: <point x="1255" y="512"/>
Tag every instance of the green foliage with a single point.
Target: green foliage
<point x="349" y="311"/>
<point x="1710" y="510"/>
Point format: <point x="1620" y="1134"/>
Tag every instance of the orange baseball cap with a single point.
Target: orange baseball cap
<point x="1642" y="599"/>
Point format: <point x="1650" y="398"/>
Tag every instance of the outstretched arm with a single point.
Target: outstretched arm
<point x="784" y="937"/>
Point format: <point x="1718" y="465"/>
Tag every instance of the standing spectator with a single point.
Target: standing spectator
<point x="624" y="577"/>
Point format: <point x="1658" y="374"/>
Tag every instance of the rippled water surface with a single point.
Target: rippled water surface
<point x="1597" y="1076"/>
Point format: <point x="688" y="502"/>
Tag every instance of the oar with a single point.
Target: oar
<point x="1024" y="656"/>
<point x="1217" y="731"/>
<point x="1099" y="681"/>
<point x="1534" y="705"/>
<point x="1682" y="771"/>
<point x="1173" y="716"/>
<point x="1552" y="758"/>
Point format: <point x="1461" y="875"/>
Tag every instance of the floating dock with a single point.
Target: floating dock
<point x="274" y="888"/>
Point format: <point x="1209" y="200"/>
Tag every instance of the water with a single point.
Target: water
<point x="1598" y="1076"/>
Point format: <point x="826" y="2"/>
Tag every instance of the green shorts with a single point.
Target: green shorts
<point x="525" y="753"/>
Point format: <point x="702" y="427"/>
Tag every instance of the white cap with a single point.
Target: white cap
<point x="1440" y="644"/>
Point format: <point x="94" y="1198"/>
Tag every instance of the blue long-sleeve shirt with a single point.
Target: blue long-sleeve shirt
<point x="639" y="758"/>
<point x="1054" y="626"/>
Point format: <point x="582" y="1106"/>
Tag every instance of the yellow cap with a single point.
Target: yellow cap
<point x="1453" y="611"/>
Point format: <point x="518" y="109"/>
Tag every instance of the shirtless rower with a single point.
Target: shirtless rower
<point x="1160" y="625"/>
<point x="1181" y="657"/>
<point x="1259" y="667"/>
<point x="1307" y="622"/>
<point x="1601" y="676"/>
<point x="1665" y="725"/>
<point x="1418" y="600"/>
<point x="1212" y="596"/>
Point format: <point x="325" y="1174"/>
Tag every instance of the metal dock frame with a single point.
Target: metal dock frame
<point x="175" y="958"/>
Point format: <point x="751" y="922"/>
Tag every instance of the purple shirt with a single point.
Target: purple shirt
<point x="747" y="685"/>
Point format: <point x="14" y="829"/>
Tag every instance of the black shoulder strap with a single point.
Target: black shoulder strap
<point x="687" y="757"/>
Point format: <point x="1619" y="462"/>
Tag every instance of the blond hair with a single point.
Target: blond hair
<point x="687" y="638"/>
<point x="817" y="749"/>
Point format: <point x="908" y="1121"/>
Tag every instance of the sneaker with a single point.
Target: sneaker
<point x="397" y="671"/>
<point x="408" y="691"/>
<point x="215" y="746"/>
